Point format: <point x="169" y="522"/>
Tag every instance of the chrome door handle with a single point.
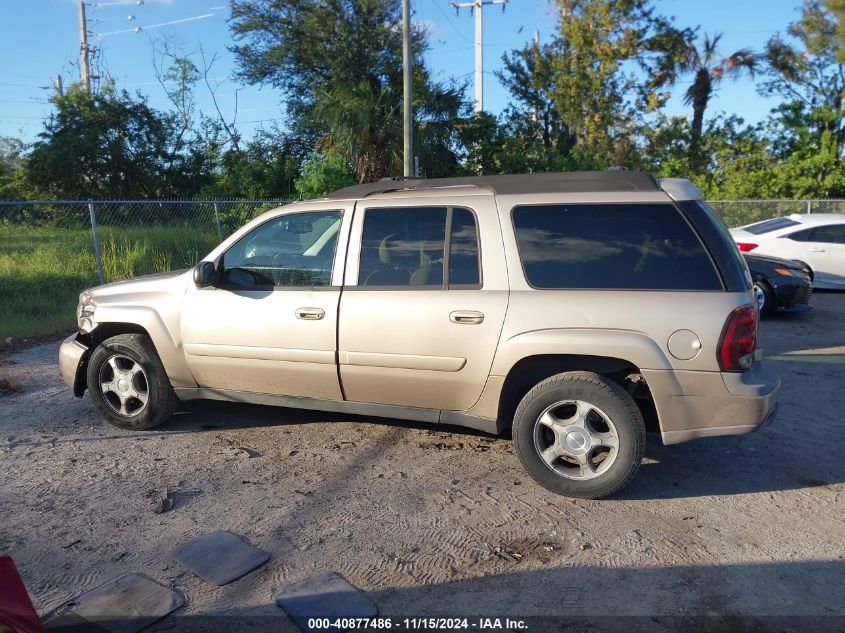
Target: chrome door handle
<point x="466" y="317"/>
<point x="816" y="250"/>
<point x="310" y="314"/>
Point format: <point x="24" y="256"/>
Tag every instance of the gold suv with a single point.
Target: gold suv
<point x="573" y="311"/>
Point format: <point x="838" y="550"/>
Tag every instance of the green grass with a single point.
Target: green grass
<point x="43" y="270"/>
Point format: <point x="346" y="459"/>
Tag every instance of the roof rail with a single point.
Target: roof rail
<point x="546" y="182"/>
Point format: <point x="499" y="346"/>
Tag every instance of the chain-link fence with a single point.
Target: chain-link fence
<point x="740" y="212"/>
<point x="51" y="250"/>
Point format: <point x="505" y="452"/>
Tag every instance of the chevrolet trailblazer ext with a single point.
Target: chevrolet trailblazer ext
<point x="572" y="310"/>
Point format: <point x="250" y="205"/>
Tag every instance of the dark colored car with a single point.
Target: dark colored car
<point x="780" y="283"/>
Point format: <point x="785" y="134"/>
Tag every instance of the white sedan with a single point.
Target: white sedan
<point x="817" y="240"/>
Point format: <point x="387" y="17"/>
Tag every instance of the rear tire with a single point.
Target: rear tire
<point x="128" y="384"/>
<point x="579" y="434"/>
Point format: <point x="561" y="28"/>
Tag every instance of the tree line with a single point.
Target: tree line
<point x="592" y="97"/>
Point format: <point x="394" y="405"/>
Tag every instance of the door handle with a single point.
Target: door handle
<point x="466" y="317"/>
<point x="816" y="250"/>
<point x="310" y="314"/>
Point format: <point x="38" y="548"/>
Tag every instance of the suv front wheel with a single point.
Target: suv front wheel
<point x="580" y="435"/>
<point x="128" y="384"/>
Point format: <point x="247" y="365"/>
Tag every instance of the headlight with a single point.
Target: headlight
<point x="85" y="312"/>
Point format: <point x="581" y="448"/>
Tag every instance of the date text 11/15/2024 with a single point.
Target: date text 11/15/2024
<point x="413" y="624"/>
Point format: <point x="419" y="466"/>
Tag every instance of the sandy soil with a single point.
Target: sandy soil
<point x="414" y="514"/>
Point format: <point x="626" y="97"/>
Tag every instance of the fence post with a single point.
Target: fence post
<point x="809" y="207"/>
<point x="96" y="235"/>
<point x="217" y="220"/>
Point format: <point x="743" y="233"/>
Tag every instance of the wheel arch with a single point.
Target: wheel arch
<point x="150" y="324"/>
<point x="531" y="370"/>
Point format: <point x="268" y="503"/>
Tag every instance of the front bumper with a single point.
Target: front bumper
<point x="73" y="361"/>
<point x="793" y="294"/>
<point x="694" y="404"/>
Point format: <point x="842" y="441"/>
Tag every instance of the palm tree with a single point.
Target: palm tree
<point x="709" y="70"/>
<point x="366" y="128"/>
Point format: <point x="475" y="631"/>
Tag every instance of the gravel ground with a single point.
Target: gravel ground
<point x="413" y="514"/>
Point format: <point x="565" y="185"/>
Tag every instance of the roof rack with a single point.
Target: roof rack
<point x="547" y="182"/>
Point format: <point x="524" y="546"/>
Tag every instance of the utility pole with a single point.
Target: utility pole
<point x="407" y="85"/>
<point x="60" y="89"/>
<point x="477" y="7"/>
<point x="84" y="57"/>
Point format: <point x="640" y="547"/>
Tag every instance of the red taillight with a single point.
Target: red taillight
<point x="744" y="247"/>
<point x="739" y="338"/>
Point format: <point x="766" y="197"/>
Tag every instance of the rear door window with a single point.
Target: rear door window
<point x="612" y="246"/>
<point x="833" y="234"/>
<point x="464" y="268"/>
<point x="420" y="247"/>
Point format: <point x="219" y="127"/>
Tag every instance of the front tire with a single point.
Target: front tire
<point x="128" y="384"/>
<point x="579" y="434"/>
<point x="765" y="298"/>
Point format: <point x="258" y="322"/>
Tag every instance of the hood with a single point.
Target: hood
<point x="157" y="283"/>
<point x="773" y="261"/>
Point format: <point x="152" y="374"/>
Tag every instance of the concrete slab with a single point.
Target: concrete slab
<point x="127" y="604"/>
<point x="325" y="596"/>
<point x="220" y="557"/>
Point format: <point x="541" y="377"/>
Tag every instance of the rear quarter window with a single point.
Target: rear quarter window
<point x="611" y="246"/>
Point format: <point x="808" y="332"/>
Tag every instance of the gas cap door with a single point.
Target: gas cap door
<point x="684" y="345"/>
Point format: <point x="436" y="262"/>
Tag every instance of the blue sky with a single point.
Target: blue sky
<point x="39" y="39"/>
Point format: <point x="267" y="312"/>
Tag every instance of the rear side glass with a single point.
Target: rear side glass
<point x="767" y="226"/>
<point x="612" y="246"/>
<point x="833" y="234"/>
<point x="463" y="250"/>
<point x="730" y="263"/>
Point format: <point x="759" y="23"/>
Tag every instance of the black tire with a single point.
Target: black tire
<point x="768" y="296"/>
<point x="161" y="400"/>
<point x="603" y="395"/>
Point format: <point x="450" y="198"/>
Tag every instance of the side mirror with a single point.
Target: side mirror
<point x="205" y="274"/>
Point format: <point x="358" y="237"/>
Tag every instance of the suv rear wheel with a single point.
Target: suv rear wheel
<point x="580" y="435"/>
<point x="128" y="384"/>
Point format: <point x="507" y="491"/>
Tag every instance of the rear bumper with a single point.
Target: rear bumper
<point x="73" y="360"/>
<point x="694" y="404"/>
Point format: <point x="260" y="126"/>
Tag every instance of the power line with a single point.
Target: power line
<point x="20" y="85"/>
<point x="449" y="20"/>
<point x="139" y="29"/>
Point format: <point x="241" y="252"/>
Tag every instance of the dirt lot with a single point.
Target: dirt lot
<point x="739" y="526"/>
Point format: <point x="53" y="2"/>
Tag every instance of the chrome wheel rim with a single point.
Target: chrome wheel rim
<point x="124" y="385"/>
<point x="760" y="297"/>
<point x="576" y="439"/>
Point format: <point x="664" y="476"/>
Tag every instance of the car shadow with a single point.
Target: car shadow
<point x="582" y="597"/>
<point x="705" y="467"/>
<point x="730" y="465"/>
